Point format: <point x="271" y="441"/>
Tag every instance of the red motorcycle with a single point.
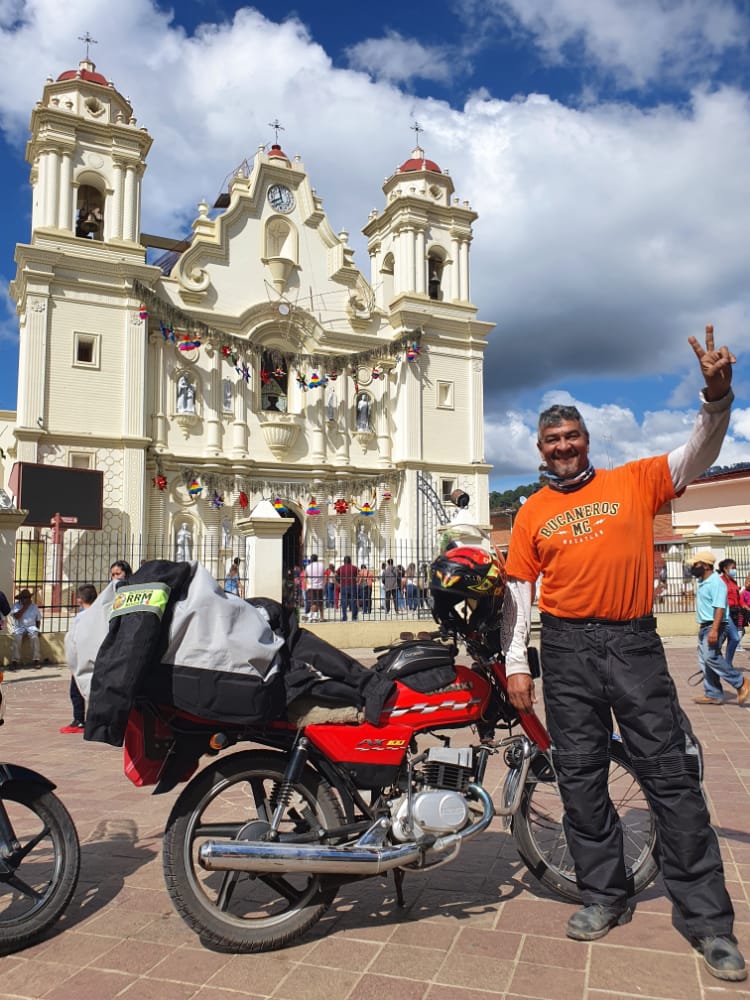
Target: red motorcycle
<point x="259" y="842"/>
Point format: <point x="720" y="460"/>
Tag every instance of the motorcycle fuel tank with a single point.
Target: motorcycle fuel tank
<point x="373" y="754"/>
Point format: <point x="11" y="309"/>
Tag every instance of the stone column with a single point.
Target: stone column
<point x="420" y="264"/>
<point x="463" y="271"/>
<point x="129" y="207"/>
<point x="213" y="418"/>
<point x="263" y="532"/>
<point x="239" y="424"/>
<point x="455" y="289"/>
<point x="476" y="411"/>
<point x="315" y="412"/>
<point x="117" y="200"/>
<point x="65" y="216"/>
<point x="407" y="237"/>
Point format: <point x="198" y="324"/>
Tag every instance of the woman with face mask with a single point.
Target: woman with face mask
<point x="728" y="573"/>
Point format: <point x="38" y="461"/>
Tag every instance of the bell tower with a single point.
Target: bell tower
<point x="419" y="243"/>
<point x="87" y="159"/>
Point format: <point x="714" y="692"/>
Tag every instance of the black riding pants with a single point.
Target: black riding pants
<point x="591" y="671"/>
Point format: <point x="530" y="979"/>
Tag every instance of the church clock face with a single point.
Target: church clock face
<point x="280" y="198"/>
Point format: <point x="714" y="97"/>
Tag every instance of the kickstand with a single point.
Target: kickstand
<point x="398" y="879"/>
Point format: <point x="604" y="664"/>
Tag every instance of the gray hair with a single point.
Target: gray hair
<point x="553" y="416"/>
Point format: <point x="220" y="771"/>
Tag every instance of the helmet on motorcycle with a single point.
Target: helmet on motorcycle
<point x="469" y="575"/>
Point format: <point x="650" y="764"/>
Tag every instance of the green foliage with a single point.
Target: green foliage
<point x="509" y="499"/>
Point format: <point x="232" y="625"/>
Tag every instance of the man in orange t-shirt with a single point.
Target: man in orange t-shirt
<point x="601" y="656"/>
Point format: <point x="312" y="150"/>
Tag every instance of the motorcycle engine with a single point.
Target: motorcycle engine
<point x="439" y="806"/>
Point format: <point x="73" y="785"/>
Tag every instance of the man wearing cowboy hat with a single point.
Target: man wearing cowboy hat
<point x="711" y="610"/>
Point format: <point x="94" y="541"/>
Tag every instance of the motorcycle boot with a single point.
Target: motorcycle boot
<point x="723" y="958"/>
<point x="595" y="920"/>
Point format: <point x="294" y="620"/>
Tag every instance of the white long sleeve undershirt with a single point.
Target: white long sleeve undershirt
<point x="686" y="463"/>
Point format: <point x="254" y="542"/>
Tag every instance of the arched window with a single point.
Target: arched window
<point x="386" y="273"/>
<point x="435" y="265"/>
<point x="90" y="213"/>
<point x="274" y="383"/>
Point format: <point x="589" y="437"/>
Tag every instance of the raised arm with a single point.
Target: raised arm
<point x="702" y="448"/>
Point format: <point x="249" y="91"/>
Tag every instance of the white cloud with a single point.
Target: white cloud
<point x="606" y="235"/>
<point x="639" y="42"/>
<point x="400" y="59"/>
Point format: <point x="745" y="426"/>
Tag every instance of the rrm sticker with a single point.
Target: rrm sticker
<point x="130" y="598"/>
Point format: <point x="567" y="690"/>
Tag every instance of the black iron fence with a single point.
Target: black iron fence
<point x="368" y="581"/>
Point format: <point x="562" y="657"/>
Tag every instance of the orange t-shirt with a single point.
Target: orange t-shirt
<point x="594" y="547"/>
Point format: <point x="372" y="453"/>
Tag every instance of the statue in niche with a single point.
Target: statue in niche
<point x="226" y="534"/>
<point x="364" y="406"/>
<point x="331" y="407"/>
<point x="363" y="545"/>
<point x="185" y="395"/>
<point x="330" y="536"/>
<point x="184" y="543"/>
<point x="227" y="400"/>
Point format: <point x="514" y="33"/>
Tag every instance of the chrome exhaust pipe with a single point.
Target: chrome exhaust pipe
<point x="359" y="859"/>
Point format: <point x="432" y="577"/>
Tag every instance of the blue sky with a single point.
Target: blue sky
<point x="604" y="143"/>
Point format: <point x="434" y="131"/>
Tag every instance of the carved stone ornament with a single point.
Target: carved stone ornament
<point x="37" y="305"/>
<point x="364" y="438"/>
<point x="186" y="422"/>
<point x="280" y="431"/>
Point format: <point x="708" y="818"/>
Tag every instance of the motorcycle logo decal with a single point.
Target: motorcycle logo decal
<point x="130" y="598"/>
<point x="380" y="744"/>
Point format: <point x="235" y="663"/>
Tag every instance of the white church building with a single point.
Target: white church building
<point x="251" y="368"/>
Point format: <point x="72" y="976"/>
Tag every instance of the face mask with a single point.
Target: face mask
<point x="732" y="573"/>
<point x="697" y="572"/>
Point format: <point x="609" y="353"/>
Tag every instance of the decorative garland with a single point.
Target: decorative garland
<point x="233" y="348"/>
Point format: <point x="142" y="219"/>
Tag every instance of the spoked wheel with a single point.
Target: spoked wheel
<point x="235" y="799"/>
<point x="40" y="872"/>
<point x="538" y="831"/>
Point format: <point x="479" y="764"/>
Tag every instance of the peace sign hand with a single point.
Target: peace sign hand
<point x="716" y="365"/>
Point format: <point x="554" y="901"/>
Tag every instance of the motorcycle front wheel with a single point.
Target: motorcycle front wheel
<point x="235" y="799"/>
<point x="39" y="869"/>
<point x="540" y="839"/>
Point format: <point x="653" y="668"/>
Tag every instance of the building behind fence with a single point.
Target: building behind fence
<point x="86" y="557"/>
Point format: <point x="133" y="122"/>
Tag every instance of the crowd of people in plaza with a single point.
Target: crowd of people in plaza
<point x="330" y="592"/>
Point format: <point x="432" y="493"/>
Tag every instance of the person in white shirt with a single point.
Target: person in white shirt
<point x="27" y="619"/>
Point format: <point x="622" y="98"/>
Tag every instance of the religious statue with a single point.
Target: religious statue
<point x="227" y="390"/>
<point x="226" y="534"/>
<point x="363" y="412"/>
<point x="331" y="407"/>
<point x="184" y="543"/>
<point x="363" y="545"/>
<point x="185" y="395"/>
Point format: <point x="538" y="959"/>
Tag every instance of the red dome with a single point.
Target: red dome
<point x="417" y="163"/>
<point x="277" y="151"/>
<point x="83" y="74"/>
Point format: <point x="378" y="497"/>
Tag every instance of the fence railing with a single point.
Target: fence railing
<point x="382" y="582"/>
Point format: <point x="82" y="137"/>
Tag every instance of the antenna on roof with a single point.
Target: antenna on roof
<point x="89" y="41"/>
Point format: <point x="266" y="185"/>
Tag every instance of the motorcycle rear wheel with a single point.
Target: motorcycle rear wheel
<point x="540" y="840"/>
<point x="44" y="870"/>
<point x="234" y="798"/>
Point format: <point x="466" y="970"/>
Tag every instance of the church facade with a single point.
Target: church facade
<point x="252" y="362"/>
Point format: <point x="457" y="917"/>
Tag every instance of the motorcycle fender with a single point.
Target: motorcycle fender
<point x="13" y="774"/>
<point x="510" y="789"/>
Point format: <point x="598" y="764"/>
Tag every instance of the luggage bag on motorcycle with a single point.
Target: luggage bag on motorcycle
<point x="175" y="637"/>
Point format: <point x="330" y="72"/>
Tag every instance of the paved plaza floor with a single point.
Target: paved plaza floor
<point x="476" y="929"/>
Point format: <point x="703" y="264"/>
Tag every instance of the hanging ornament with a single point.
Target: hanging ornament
<point x="194" y="489"/>
<point x="412" y="353"/>
<point x="160" y="482"/>
<point x="243" y="371"/>
<point x="278" y="373"/>
<point x="312" y="507"/>
<point x="242" y="499"/>
<point x="278" y="505"/>
<point x="332" y="376"/>
<point x="167" y="332"/>
<point x="316" y="381"/>
<point x="143" y="312"/>
<point x="387" y="495"/>
<point x="217" y="500"/>
<point x="341" y="506"/>
<point x="265" y="378"/>
<point x="377" y="372"/>
<point x="188" y="343"/>
<point x="302" y="381"/>
<point x="367" y="509"/>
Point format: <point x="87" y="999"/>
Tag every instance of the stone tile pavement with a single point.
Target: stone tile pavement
<point x="477" y="929"/>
